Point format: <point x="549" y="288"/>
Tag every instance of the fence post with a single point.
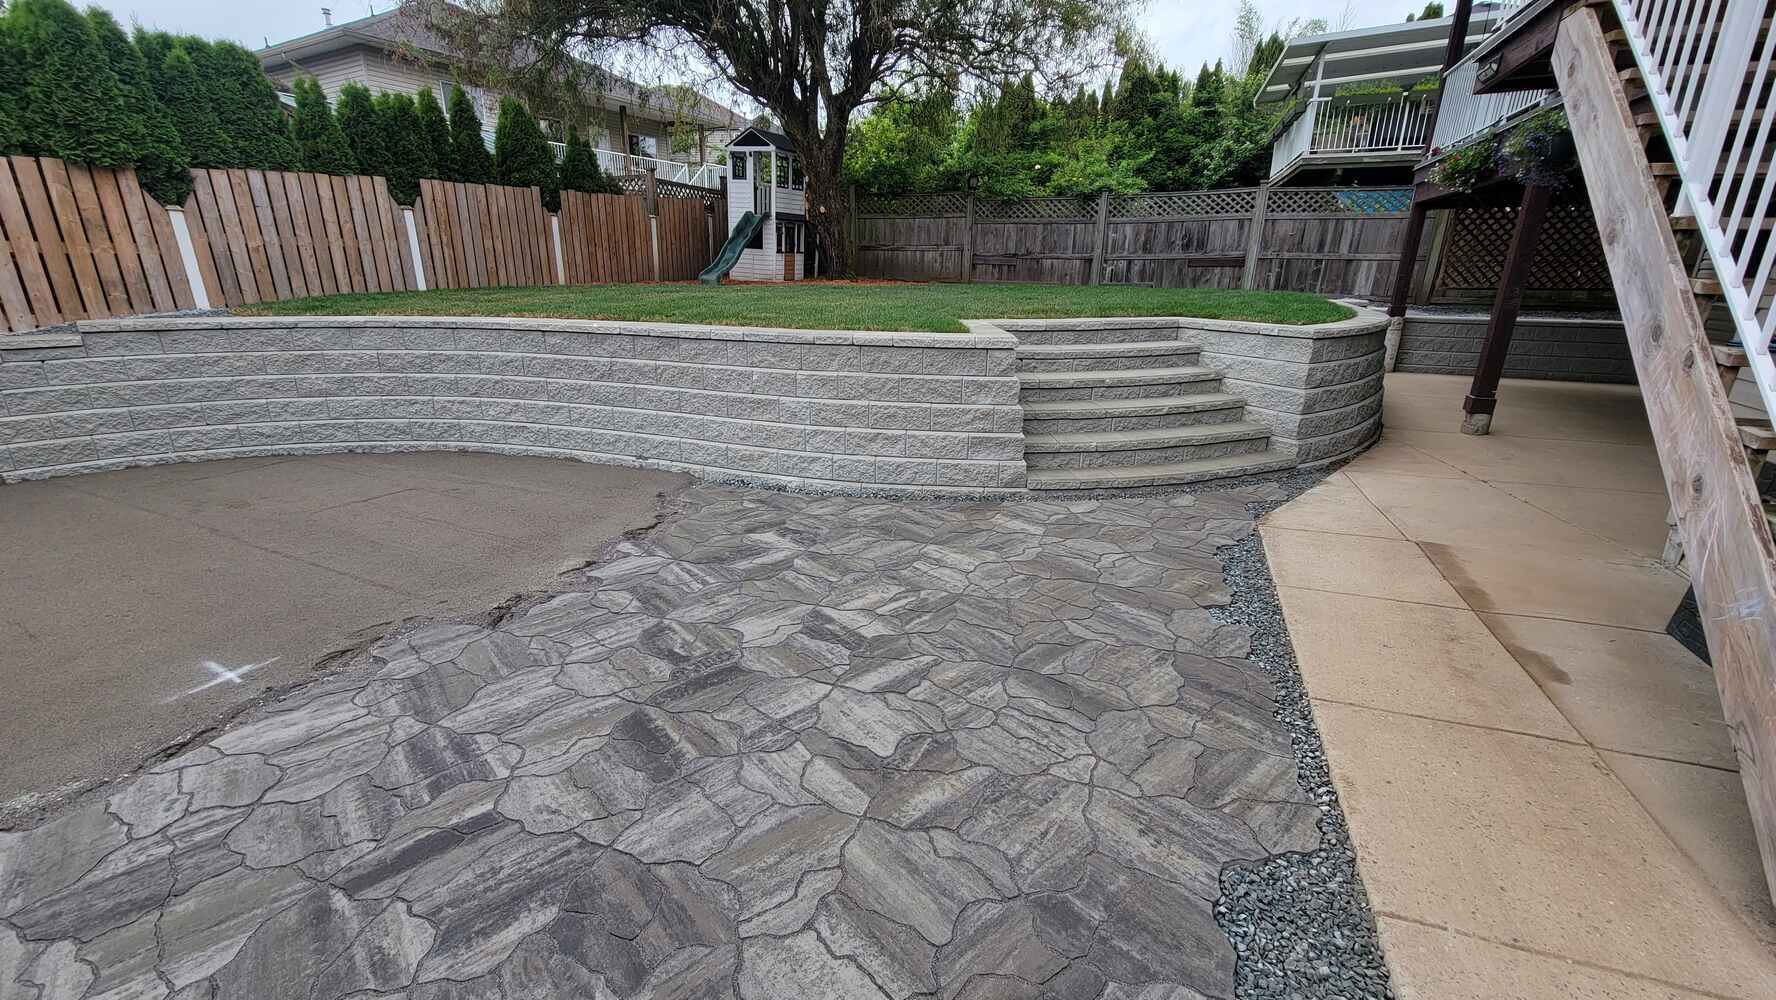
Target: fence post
<point x="1102" y="240"/>
<point x="1255" y="238"/>
<point x="968" y="241"/>
<point x="555" y="239"/>
<point x="419" y="274"/>
<point x="652" y="201"/>
<point x="200" y="295"/>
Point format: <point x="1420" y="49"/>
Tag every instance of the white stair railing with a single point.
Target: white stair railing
<point x="1710" y="71"/>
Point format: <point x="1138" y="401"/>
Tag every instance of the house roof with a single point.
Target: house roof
<point x="756" y="136"/>
<point x="387" y="31"/>
<point x="1402" y="53"/>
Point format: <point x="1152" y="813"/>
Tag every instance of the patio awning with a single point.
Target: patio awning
<point x="1402" y="53"/>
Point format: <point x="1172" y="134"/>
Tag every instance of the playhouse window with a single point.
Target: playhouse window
<point x="789" y="237"/>
<point x="738" y="166"/>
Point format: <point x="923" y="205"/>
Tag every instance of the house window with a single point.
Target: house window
<point x="739" y="166"/>
<point x="789" y="237"/>
<point x="641" y="145"/>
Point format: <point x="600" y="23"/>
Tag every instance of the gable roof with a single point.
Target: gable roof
<point x="388" y="31"/>
<point x="755" y="136"/>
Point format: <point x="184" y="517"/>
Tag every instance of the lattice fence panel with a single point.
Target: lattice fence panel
<point x="1338" y="201"/>
<point x="1568" y="259"/>
<point x="1180" y="204"/>
<point x="1035" y="209"/>
<point x="940" y="203"/>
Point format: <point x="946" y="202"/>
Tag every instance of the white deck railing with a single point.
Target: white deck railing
<point x="622" y="164"/>
<point x="1466" y="114"/>
<point x="1710" y="69"/>
<point x="1328" y="125"/>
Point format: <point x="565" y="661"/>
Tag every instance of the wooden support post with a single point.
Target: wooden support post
<point x="1407" y="262"/>
<point x="1255" y="238"/>
<point x="1483" y="394"/>
<point x="1729" y="550"/>
<point x="1100" y="238"/>
<point x="623" y="140"/>
<point x="1426" y="281"/>
<point x="968" y="241"/>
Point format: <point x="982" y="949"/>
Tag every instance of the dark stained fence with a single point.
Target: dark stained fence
<point x="1326" y="240"/>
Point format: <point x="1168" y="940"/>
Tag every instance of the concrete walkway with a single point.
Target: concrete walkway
<point x="779" y="748"/>
<point x="1537" y="779"/>
<point x="140" y="607"/>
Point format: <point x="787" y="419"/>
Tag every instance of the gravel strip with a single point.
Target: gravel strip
<point x="1300" y="923"/>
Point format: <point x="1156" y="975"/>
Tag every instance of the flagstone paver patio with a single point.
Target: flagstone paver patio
<point x="780" y="747"/>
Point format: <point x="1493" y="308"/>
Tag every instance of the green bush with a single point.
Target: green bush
<point x="521" y="153"/>
<point x="408" y="156"/>
<point x="192" y="108"/>
<point x="362" y="126"/>
<point x="320" y="142"/>
<point x="436" y="130"/>
<point x="73" y="107"/>
<point x="580" y="170"/>
<point x="247" y="107"/>
<point x="12" y="91"/>
<point x="162" y="164"/>
<point x="469" y="159"/>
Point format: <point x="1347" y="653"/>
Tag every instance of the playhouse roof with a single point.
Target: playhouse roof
<point x="763" y="137"/>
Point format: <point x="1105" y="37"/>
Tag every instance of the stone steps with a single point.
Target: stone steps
<point x="1134" y="383"/>
<point x="1164" y="474"/>
<point x="1136" y="354"/>
<point x="1068" y="416"/>
<point x="1122" y="331"/>
<point x="1159" y="446"/>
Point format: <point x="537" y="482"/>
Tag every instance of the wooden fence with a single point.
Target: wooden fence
<point x="89" y="243"/>
<point x="1326" y="240"/>
<point x="85" y="243"/>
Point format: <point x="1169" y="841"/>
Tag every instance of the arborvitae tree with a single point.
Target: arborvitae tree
<point x="521" y="153"/>
<point x="436" y="130"/>
<point x="469" y="160"/>
<point x="162" y="165"/>
<point x="358" y="120"/>
<point x="12" y="91"/>
<point x="320" y="142"/>
<point x="248" y="108"/>
<point x="579" y="167"/>
<point x="72" y="107"/>
<point x="409" y="156"/>
<point x="192" y="107"/>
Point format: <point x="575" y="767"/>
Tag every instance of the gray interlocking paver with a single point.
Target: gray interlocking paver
<point x="780" y="747"/>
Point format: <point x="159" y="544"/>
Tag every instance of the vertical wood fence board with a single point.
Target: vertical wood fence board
<point x="98" y="240"/>
<point x="38" y="269"/>
<point x="80" y="257"/>
<point x="284" y="221"/>
<point x="148" y="249"/>
<point x="123" y="240"/>
<point x="262" y="239"/>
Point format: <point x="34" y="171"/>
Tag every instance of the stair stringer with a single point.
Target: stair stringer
<point x="1732" y="560"/>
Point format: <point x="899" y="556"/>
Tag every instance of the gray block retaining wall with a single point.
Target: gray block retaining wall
<point x="1574" y="349"/>
<point x="1318" y="388"/>
<point x="925" y="412"/>
<point x="838" y="410"/>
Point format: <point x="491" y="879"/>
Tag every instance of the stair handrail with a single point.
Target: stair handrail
<point x="1719" y="145"/>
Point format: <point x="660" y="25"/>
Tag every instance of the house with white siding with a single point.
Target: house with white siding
<point x="765" y="177"/>
<point x="633" y="128"/>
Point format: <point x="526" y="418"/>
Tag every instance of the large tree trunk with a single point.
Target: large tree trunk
<point x="827" y="210"/>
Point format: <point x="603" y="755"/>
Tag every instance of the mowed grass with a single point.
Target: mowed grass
<point x="831" y="305"/>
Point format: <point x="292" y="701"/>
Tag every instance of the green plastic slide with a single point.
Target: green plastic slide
<point x="744" y="231"/>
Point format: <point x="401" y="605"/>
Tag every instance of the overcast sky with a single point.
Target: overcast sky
<point x="1186" y="33"/>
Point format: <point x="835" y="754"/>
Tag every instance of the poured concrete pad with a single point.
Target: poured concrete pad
<point x="780" y="747"/>
<point x="125" y="595"/>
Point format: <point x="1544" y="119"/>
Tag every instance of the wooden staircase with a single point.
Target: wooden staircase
<point x="1666" y="290"/>
<point x="1112" y="408"/>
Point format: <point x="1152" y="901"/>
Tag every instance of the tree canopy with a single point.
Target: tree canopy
<point x="321" y="145"/>
<point x="521" y="153"/>
<point x="811" y="63"/>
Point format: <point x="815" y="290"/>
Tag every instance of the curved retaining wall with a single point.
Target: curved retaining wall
<point x="808" y="409"/>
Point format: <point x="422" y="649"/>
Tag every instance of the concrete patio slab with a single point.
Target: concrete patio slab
<point x="1334" y="505"/>
<point x="1505" y="861"/>
<point x="1350" y="564"/>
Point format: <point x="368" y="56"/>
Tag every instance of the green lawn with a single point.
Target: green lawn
<point x="824" y="304"/>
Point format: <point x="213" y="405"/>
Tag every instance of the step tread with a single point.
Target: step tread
<point x="1120" y="376"/>
<point x="1127" y="349"/>
<point x="1160" y="437"/>
<point x="1171" y="473"/>
<point x="1149" y="407"/>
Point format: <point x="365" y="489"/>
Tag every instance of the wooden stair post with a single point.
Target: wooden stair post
<point x="1720" y="516"/>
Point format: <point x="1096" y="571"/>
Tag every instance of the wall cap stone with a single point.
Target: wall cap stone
<point x="690" y="331"/>
<point x="38" y="341"/>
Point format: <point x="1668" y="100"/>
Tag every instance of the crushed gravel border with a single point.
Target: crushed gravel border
<point x="1300" y="924"/>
